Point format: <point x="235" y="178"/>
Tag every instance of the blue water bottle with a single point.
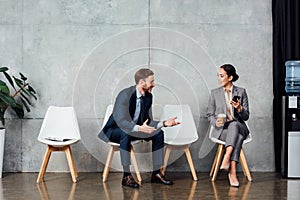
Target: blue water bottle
<point x="292" y="77"/>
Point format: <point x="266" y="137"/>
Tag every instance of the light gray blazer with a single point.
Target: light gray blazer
<point x="217" y="105"/>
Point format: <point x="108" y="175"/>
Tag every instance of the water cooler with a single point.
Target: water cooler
<point x="290" y="152"/>
<point x="290" y="149"/>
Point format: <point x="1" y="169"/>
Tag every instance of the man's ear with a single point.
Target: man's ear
<point x="230" y="78"/>
<point x="141" y="82"/>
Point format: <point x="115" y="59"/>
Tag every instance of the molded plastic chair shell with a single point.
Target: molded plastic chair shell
<point x="184" y="133"/>
<point x="60" y="123"/>
<point x="179" y="136"/>
<point x="59" y="130"/>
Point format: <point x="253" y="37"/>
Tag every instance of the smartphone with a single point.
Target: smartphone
<point x="235" y="98"/>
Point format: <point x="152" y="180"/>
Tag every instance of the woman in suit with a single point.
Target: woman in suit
<point x="231" y="101"/>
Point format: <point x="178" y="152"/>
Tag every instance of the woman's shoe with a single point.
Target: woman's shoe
<point x="226" y="168"/>
<point x="223" y="166"/>
<point x="233" y="184"/>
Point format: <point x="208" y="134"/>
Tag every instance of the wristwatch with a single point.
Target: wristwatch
<point x="164" y="123"/>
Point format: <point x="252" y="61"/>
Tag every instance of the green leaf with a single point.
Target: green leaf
<point x="3" y="69"/>
<point x="21" y="85"/>
<point x="9" y="79"/>
<point x="25" y="104"/>
<point x="18" y="81"/>
<point x="31" y="94"/>
<point x="31" y="89"/>
<point x="24" y="78"/>
<point x="3" y="87"/>
<point x="27" y="100"/>
<point x="3" y="105"/>
<point x="18" y="110"/>
<point x="7" y="99"/>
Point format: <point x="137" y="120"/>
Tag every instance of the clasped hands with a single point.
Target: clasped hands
<point x="145" y="128"/>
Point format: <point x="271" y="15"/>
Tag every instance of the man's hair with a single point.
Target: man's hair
<point x="142" y="74"/>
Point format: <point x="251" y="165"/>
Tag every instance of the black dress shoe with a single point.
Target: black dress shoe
<point x="159" y="178"/>
<point x="129" y="182"/>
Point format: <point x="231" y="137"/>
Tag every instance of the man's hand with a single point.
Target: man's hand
<point x="146" y="129"/>
<point x="171" y="122"/>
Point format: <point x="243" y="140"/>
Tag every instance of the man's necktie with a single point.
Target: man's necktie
<point x="142" y="111"/>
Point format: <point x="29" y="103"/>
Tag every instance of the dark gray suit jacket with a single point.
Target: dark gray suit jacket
<point x="123" y="112"/>
<point x="217" y="105"/>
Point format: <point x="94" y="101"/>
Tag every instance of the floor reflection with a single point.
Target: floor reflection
<point x="293" y="189"/>
<point x="1" y="191"/>
<point x="151" y="191"/>
<point x="44" y="193"/>
<point x="233" y="192"/>
<point x="193" y="186"/>
<point x="267" y="186"/>
<point x="128" y="193"/>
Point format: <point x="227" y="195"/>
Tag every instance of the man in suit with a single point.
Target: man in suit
<point x="232" y="101"/>
<point x="132" y="120"/>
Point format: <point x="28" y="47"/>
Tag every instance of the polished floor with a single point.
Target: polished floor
<point x="89" y="186"/>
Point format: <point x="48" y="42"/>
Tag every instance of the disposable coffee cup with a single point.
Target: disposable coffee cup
<point x="221" y="117"/>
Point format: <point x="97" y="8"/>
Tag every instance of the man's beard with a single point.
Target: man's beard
<point x="148" y="89"/>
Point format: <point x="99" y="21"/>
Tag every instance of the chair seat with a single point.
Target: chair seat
<point x="57" y="143"/>
<point x="118" y="145"/>
<point x="215" y="140"/>
<point x="181" y="141"/>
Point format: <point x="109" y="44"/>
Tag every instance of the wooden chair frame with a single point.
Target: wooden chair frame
<point x="70" y="158"/>
<point x="116" y="147"/>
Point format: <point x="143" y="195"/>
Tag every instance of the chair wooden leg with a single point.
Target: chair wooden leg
<point x="70" y="159"/>
<point x="108" y="162"/>
<point x="190" y="160"/>
<point x="213" y="166"/>
<point x="71" y="163"/>
<point x="245" y="165"/>
<point x="134" y="162"/>
<point x="167" y="155"/>
<point x="44" y="165"/>
<point x="219" y="155"/>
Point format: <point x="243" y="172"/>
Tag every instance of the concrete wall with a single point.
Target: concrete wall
<point x="82" y="53"/>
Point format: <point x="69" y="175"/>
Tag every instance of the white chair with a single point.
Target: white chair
<point x="116" y="147"/>
<point x="59" y="130"/>
<point x="180" y="136"/>
<point x="220" y="153"/>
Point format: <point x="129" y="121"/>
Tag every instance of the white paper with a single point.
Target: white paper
<point x="292" y="101"/>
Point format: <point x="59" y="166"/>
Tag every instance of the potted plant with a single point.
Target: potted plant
<point x="17" y="97"/>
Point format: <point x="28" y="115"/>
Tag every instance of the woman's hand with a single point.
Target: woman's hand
<point x="237" y="105"/>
